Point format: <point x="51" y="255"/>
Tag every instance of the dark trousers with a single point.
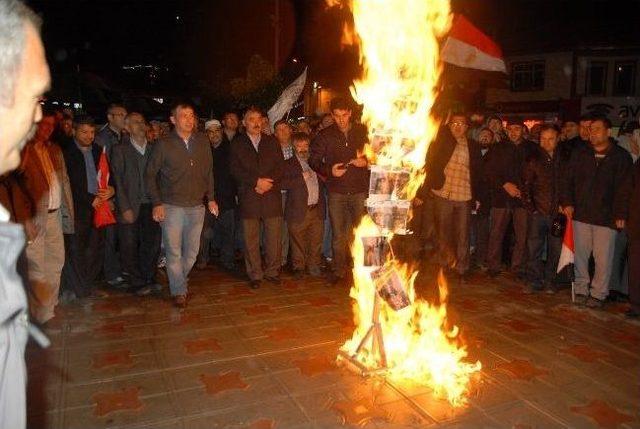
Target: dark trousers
<point x="87" y="251"/>
<point x="539" y="239"/>
<point x="272" y="247"/>
<point x="345" y="211"/>
<point x="306" y="240"/>
<point x="223" y="238"/>
<point x="112" y="268"/>
<point x="140" y="247"/>
<point x="70" y="278"/>
<point x="500" y="218"/>
<point x="481" y="225"/>
<point x="453" y="223"/>
<point x="634" y="273"/>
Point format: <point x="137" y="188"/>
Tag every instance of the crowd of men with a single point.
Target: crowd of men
<point x="496" y="200"/>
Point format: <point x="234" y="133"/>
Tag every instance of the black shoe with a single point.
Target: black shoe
<point x="595" y="303"/>
<point x="275" y="280"/>
<point x="632" y="313"/>
<point x="254" y="284"/>
<point x="580" y="300"/>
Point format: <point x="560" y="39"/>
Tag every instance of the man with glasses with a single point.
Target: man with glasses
<point x="454" y="163"/>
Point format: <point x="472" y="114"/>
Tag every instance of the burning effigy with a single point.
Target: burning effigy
<point x="398" y="333"/>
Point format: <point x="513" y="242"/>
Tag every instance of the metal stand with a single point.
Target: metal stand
<point x="374" y="333"/>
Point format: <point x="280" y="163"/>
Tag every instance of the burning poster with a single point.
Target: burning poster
<point x="389" y="286"/>
<point x="381" y="183"/>
<point x="376" y="251"/>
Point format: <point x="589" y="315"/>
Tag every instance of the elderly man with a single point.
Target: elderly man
<point x="257" y="166"/>
<point x="24" y="78"/>
<point x="139" y="235"/>
<point x="179" y="177"/>
<point x="44" y="179"/>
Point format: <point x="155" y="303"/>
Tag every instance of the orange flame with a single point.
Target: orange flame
<point x="399" y="51"/>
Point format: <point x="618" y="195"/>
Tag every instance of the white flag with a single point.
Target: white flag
<point x="287" y="99"/>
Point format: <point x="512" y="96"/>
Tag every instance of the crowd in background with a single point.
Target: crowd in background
<point x="239" y="193"/>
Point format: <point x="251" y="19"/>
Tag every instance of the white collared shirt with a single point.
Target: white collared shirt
<point x="255" y="141"/>
<point x="140" y="148"/>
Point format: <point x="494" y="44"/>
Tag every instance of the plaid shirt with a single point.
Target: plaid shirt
<point x="457" y="183"/>
<point x="287" y="151"/>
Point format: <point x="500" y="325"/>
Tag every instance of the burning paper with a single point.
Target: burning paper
<point x="389" y="286"/>
<point x="376" y="251"/>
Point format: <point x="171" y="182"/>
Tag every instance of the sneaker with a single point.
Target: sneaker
<point x="595" y="303"/>
<point x="180" y="301"/>
<point x="274" y="280"/>
<point x="580" y="300"/>
<point x="254" y="284"/>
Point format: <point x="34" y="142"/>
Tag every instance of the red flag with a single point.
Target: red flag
<point x="567" y="253"/>
<point x="469" y="47"/>
<point x="103" y="216"/>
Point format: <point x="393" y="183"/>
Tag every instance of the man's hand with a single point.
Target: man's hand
<point x="158" y="213"/>
<point x="264" y="184"/>
<point x="620" y="223"/>
<point x="568" y="211"/>
<point x="359" y="162"/>
<point x="96" y="202"/>
<point x="31" y="230"/>
<point x="105" y="194"/>
<point x="512" y="190"/>
<point x="477" y="205"/>
<point x="306" y="175"/>
<point x="338" y="170"/>
<point x="127" y="216"/>
<point x="213" y="208"/>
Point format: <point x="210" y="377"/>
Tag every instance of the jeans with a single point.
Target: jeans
<point x="272" y="251"/>
<point x="181" y="230"/>
<point x="500" y="218"/>
<point x="599" y="240"/>
<point x="345" y="211"/>
<point x="140" y="247"/>
<point x="539" y="238"/>
<point x="453" y="221"/>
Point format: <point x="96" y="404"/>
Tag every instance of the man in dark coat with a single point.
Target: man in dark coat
<point x="595" y="194"/>
<point x="633" y="231"/>
<point x="304" y="209"/>
<point x="257" y="165"/>
<point x="453" y="175"/>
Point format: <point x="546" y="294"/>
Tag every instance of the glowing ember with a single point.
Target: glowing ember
<point x="399" y="52"/>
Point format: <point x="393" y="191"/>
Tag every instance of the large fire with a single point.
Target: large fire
<point x="399" y="51"/>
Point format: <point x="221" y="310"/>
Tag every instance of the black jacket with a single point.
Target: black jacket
<point x="633" y="225"/>
<point x="247" y="166"/>
<point x="224" y="185"/>
<point x="599" y="193"/>
<point x="504" y="164"/>
<point x="438" y="157"/>
<point x="541" y="182"/>
<point x="331" y="147"/>
<point x="129" y="176"/>
<point x="76" y="170"/>
<point x="297" y="194"/>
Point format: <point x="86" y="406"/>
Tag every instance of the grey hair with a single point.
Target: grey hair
<point x="13" y="16"/>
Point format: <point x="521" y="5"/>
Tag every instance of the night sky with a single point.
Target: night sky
<point x="211" y="41"/>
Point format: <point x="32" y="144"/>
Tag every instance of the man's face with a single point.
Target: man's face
<point x="84" y="134"/>
<point x="485" y="138"/>
<point x="302" y="148"/>
<point x="230" y="122"/>
<point x="17" y="121"/>
<point x="253" y="123"/>
<point x="45" y="128"/>
<point x="215" y="135"/>
<point x="458" y="126"/>
<point x="341" y="118"/>
<point x="184" y="120"/>
<point x="570" y="129"/>
<point x="283" y="134"/>
<point x="304" y="127"/>
<point x="585" y="130"/>
<point x="598" y="133"/>
<point x="67" y="127"/>
<point x="549" y="140"/>
<point x="514" y="132"/>
<point x="137" y="126"/>
<point x="116" y="117"/>
<point x="495" y="125"/>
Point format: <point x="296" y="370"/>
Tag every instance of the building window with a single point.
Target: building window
<point x="527" y="76"/>
<point x="597" y="78"/>
<point x="624" y="78"/>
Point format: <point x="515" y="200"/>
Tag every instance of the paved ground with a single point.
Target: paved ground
<point x="242" y="359"/>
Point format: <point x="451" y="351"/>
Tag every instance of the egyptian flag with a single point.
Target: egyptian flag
<point x="566" y="254"/>
<point x="468" y="47"/>
<point x="103" y="216"/>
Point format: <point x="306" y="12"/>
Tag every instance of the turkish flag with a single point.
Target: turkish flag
<point x="567" y="254"/>
<point x="103" y="216"/>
